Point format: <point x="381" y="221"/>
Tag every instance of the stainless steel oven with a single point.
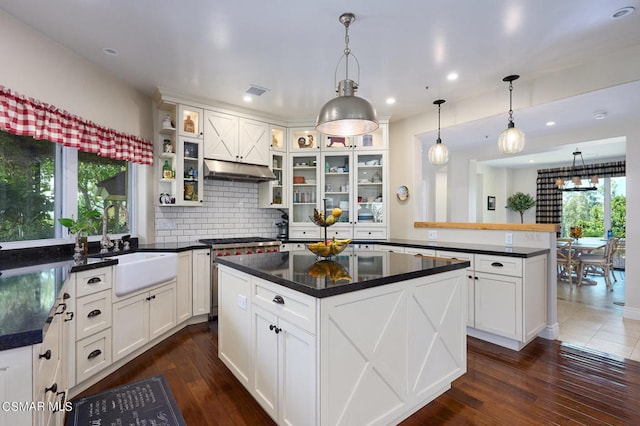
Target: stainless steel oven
<point x="234" y="247"/>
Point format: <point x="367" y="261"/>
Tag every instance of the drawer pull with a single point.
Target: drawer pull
<point x="151" y="297"/>
<point x="278" y="299"/>
<point x="46" y="355"/>
<point x="94" y="313"/>
<point x="62" y="400"/>
<point x="94" y="280"/>
<point x="497" y="264"/>
<point x="69" y="316"/>
<point x="66" y="296"/>
<point x="53" y="388"/>
<point x="94" y="354"/>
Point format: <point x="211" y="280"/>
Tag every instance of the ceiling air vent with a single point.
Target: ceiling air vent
<point x="256" y="90"/>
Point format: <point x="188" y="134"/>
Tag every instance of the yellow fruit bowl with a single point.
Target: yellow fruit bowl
<point x="320" y="219"/>
<point x="329" y="248"/>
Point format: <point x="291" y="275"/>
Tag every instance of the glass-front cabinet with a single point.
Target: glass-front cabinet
<point x="278" y="138"/>
<point x="304" y="139"/>
<point x="273" y="193"/>
<point x="372" y="141"/>
<point x="336" y="188"/>
<point x="305" y="175"/>
<point x="189" y="178"/>
<point x="190" y="121"/>
<point x="371" y="204"/>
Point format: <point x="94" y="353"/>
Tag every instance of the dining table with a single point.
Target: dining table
<point x="584" y="246"/>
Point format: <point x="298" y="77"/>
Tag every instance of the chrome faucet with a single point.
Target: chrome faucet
<point x="105" y="243"/>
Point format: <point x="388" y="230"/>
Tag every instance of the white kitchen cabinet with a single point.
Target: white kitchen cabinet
<point x="234" y="323"/>
<point x="372" y="141"/>
<point x="510" y="299"/>
<point x="304" y="139"/>
<point x="471" y="321"/>
<point x="201" y="281"/>
<point x="284" y="369"/>
<point x="190" y="121"/>
<point x="231" y="138"/>
<point x="189" y="172"/>
<point x="389" y="248"/>
<point x="16" y="373"/>
<point x="143" y="317"/>
<point x="184" y="286"/>
<point x="304" y="194"/>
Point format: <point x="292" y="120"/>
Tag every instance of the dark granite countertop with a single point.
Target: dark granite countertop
<point x="352" y="270"/>
<point x="495" y="250"/>
<point x="28" y="295"/>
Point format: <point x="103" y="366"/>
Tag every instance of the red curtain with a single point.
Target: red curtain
<point x="28" y="117"/>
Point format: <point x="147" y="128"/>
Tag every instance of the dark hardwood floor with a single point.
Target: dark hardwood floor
<point x="545" y="383"/>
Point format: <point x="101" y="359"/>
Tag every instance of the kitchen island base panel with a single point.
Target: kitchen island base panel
<point x="388" y="351"/>
<point x="375" y="355"/>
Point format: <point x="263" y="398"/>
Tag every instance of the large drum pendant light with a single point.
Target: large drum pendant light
<point x="511" y="139"/>
<point x="438" y="152"/>
<point x="347" y="114"/>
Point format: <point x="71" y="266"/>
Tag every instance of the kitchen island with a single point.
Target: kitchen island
<point x="366" y="338"/>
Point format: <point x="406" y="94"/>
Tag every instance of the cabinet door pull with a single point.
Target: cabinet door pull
<point x="62" y="399"/>
<point x="53" y="388"/>
<point x="275" y="329"/>
<point x="94" y="313"/>
<point x="69" y="316"/>
<point x="94" y="354"/>
<point x="497" y="264"/>
<point x="278" y="299"/>
<point x="94" y="280"/>
<point x="64" y="308"/>
<point x="46" y="355"/>
<point x="66" y="296"/>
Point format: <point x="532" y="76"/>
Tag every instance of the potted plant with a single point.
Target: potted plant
<point x="520" y="203"/>
<point x="80" y="228"/>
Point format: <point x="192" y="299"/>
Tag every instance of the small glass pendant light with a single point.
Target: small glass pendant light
<point x="511" y="139"/>
<point x="438" y="152"/>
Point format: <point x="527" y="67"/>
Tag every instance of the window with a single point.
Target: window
<point x="596" y="212"/>
<point x="27" y="188"/>
<point x="35" y="175"/>
<point x="102" y="183"/>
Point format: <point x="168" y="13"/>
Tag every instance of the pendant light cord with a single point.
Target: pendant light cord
<point x="510" y="102"/>
<point x="439" y="140"/>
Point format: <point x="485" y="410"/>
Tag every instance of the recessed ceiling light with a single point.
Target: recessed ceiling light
<point x="390" y="101"/>
<point x="247" y="98"/>
<point x="623" y="12"/>
<point x="110" y="51"/>
<point x="600" y="115"/>
<point x="550" y="123"/>
<point x="532" y="161"/>
<point x="452" y="76"/>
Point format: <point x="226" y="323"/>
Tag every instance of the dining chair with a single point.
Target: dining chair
<point x="600" y="263"/>
<point x="567" y="260"/>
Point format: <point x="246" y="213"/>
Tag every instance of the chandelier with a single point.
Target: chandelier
<point x="576" y="183"/>
<point x="512" y="139"/>
<point x="347" y="114"/>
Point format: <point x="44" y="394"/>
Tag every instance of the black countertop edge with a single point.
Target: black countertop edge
<point x="18" y="340"/>
<point x="171" y="247"/>
<point x="334" y="291"/>
<point x="508" y="251"/>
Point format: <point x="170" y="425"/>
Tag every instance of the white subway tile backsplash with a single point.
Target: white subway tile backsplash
<point x="230" y="209"/>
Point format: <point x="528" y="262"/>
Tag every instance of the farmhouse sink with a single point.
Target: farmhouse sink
<point x="136" y="271"/>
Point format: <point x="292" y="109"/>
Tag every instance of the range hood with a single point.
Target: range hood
<point x="228" y="170"/>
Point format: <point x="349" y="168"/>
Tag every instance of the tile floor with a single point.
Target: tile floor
<point x="590" y="316"/>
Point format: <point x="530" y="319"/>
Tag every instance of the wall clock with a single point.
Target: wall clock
<point x="402" y="193"/>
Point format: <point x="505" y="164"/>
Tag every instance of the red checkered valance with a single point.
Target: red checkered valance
<point x="28" y="117"/>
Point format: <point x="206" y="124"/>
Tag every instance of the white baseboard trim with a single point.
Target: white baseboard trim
<point x="631" y="313"/>
<point x="551" y="332"/>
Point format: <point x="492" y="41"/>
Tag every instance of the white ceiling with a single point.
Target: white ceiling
<point x="213" y="49"/>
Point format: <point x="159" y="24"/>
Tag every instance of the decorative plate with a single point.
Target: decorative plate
<point x="402" y="193"/>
